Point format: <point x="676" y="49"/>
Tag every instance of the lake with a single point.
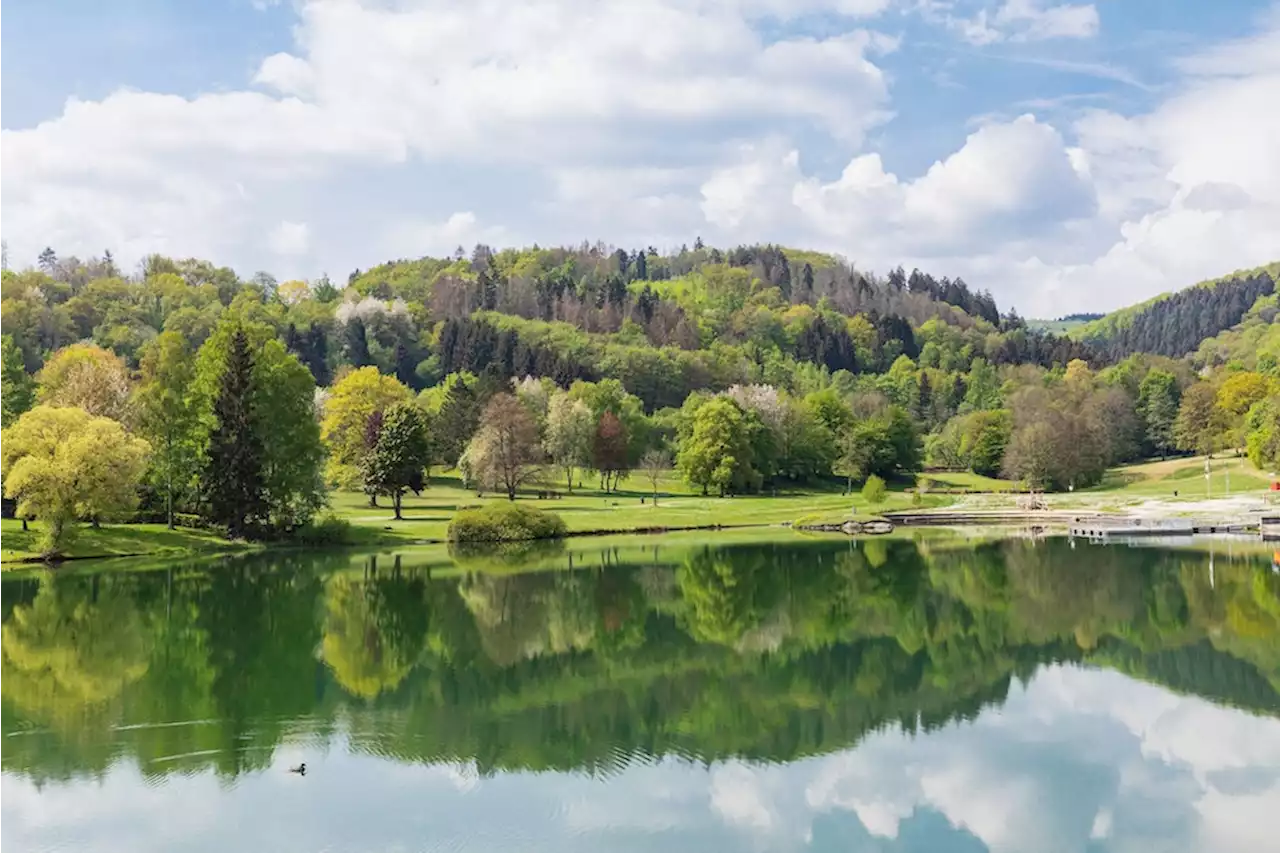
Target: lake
<point x="679" y="693"/>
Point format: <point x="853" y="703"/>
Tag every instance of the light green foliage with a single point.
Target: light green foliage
<point x="89" y="377"/>
<point x="983" y="387"/>
<point x="717" y="453"/>
<point x="167" y="417"/>
<point x="63" y="464"/>
<point x="1263" y="437"/>
<point x="504" y="523"/>
<point x="569" y="433"/>
<point x="874" y="490"/>
<point x="1199" y="423"/>
<point x="350" y="403"/>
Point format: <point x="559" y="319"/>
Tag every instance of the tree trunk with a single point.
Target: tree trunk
<point x="395" y="499"/>
<point x="568" y="477"/>
<point x="169" y="506"/>
<point x="511" y="493"/>
<point x="373" y="500"/>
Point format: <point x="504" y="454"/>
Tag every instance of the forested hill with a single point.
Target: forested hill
<point x="1175" y="324"/>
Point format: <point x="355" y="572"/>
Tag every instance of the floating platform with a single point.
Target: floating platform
<point x="1269" y="527"/>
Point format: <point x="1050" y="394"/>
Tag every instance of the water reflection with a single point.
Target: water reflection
<point x="887" y="695"/>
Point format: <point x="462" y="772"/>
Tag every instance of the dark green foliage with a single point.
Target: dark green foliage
<point x="504" y="523"/>
<point x="1158" y="400"/>
<point x="1174" y="325"/>
<point x="17" y="388"/>
<point x="232" y="483"/>
<point x="399" y="454"/>
<point x="457" y="422"/>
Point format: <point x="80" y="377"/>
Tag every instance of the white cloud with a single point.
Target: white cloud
<point x="1017" y="21"/>
<point x="649" y="122"/>
<point x="1007" y="182"/>
<point x="373" y="85"/>
<point x="1030" y="20"/>
<point x="289" y="238"/>
<point x="415" y="238"/>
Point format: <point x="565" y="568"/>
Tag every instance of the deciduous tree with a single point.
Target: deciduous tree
<point x="352" y="400"/>
<point x="88" y="377"/>
<point x="63" y="464"/>
<point x="609" y="450"/>
<point x="167" y="416"/>
<point x="400" y="455"/>
<point x="569" y="434"/>
<point x="505" y="452"/>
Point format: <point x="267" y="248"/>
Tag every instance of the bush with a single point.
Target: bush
<point x="874" y="491"/>
<point x="327" y="530"/>
<point x="504" y="522"/>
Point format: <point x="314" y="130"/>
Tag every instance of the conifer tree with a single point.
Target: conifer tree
<point x="234" y="491"/>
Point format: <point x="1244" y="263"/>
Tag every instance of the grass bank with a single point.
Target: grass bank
<point x="630" y="509"/>
<point x="113" y="540"/>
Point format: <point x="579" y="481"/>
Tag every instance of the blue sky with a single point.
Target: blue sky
<point x="1058" y="153"/>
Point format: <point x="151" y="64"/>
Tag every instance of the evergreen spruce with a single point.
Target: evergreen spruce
<point x="234" y="491"/>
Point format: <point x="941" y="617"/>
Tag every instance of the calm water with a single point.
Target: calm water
<point x="807" y="694"/>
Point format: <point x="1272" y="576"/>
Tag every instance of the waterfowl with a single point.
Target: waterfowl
<point x="301" y="769"/>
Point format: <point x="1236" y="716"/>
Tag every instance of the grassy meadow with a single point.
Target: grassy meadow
<point x="631" y="508"/>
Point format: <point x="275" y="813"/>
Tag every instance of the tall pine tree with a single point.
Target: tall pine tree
<point x="234" y="491"/>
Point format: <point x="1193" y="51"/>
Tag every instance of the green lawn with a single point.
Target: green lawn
<point x="1162" y="478"/>
<point x="427" y="517"/>
<point x="112" y="540"/>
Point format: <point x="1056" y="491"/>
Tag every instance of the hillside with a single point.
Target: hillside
<point x="749" y="370"/>
<point x="1174" y="324"/>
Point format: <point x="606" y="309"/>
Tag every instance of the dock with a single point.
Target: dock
<point x="1137" y="528"/>
<point x="1269" y="526"/>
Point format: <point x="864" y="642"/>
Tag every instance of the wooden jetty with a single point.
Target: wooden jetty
<point x="1269" y="527"/>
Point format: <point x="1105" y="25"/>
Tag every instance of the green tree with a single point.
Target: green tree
<point x="1158" y="401"/>
<point x="983" y="387"/>
<point x="457" y="420"/>
<point x="717" y="452"/>
<point x="400" y="456"/>
<point x="1198" y="422"/>
<point x="1235" y="397"/>
<point x="984" y="441"/>
<point x="17" y="388"/>
<point x="89" y="377"/>
<point x="167" y="416"/>
<point x="232" y="478"/>
<point x="351" y="402"/>
<point x="1263" y="437"/>
<point x="874" y="491"/>
<point x="63" y="463"/>
<point x="569" y="433"/>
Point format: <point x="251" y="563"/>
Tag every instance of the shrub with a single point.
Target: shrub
<point x="504" y="523"/>
<point x="874" y="491"/>
<point x="327" y="530"/>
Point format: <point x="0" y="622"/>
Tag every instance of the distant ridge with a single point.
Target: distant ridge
<point x="1174" y="324"/>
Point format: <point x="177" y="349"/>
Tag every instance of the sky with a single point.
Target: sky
<point x="1067" y="156"/>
